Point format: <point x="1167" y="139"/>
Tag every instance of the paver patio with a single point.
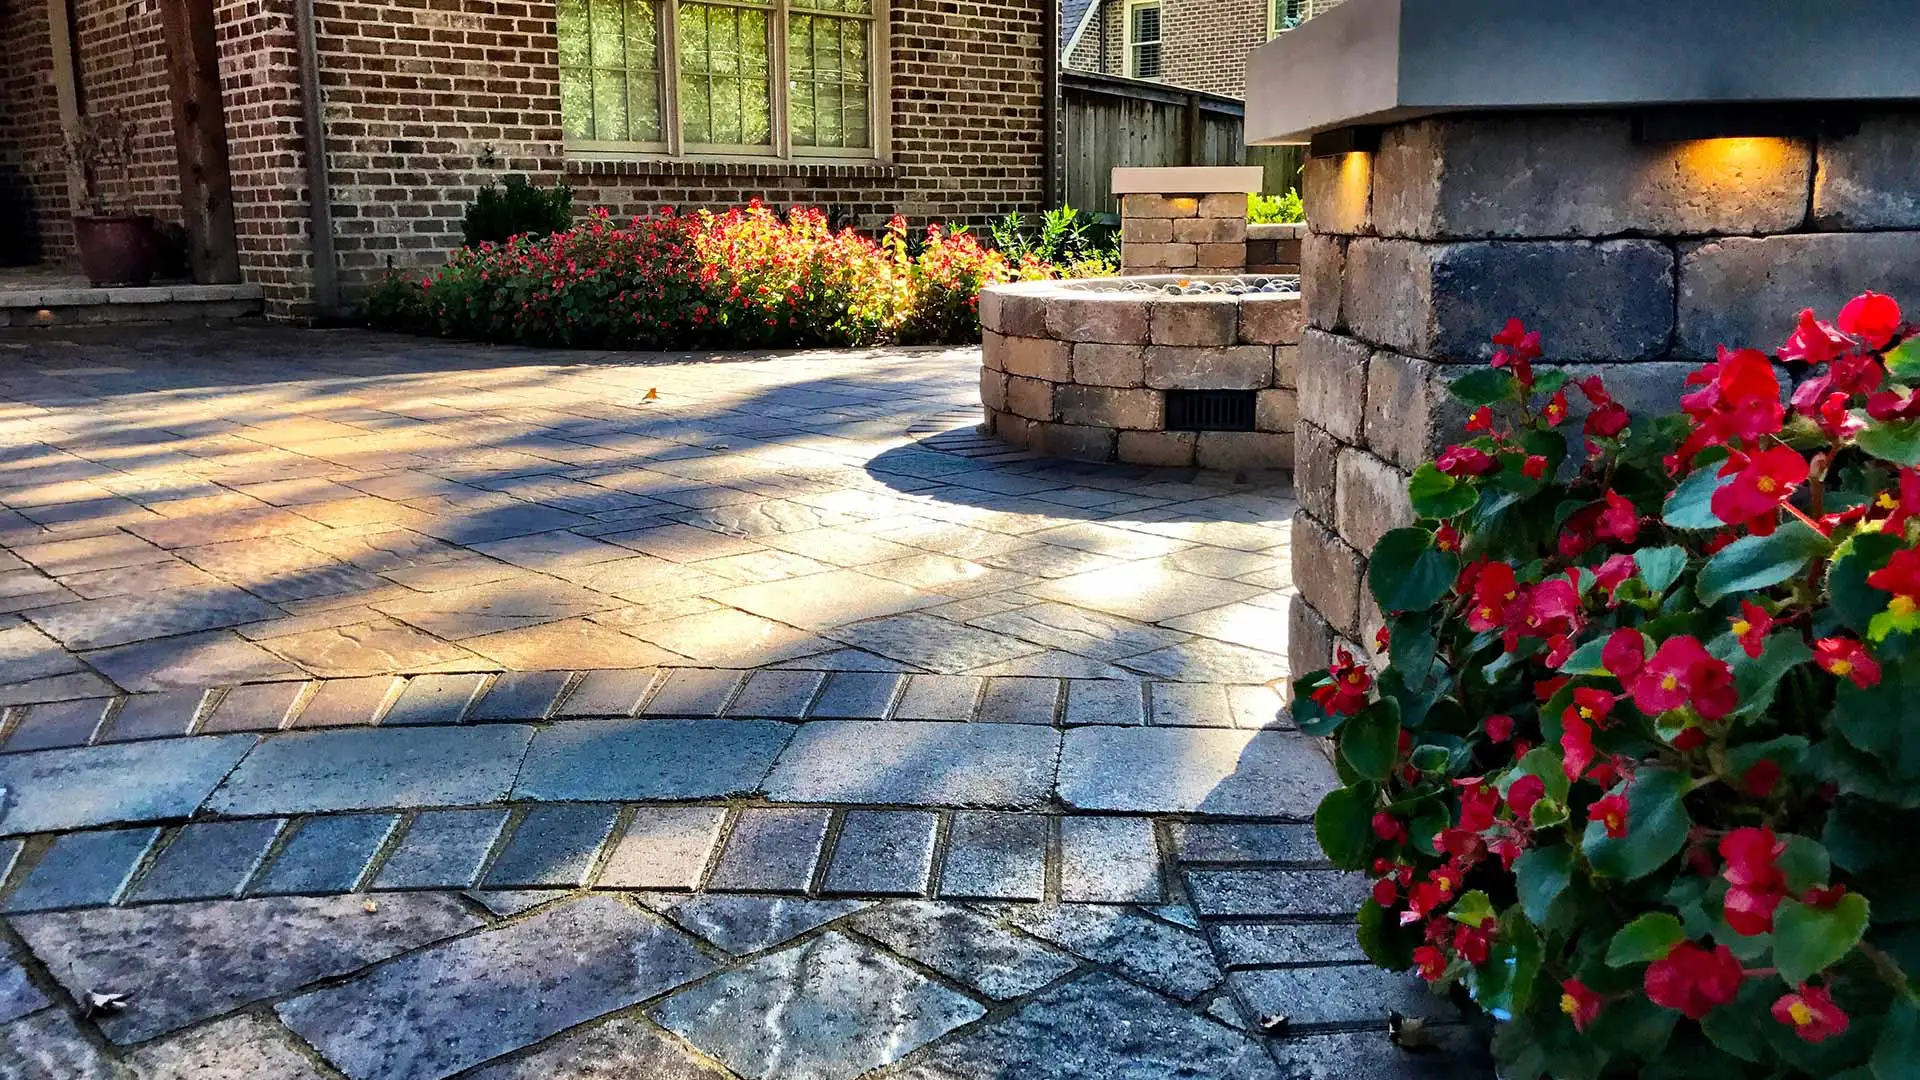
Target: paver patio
<point x="779" y="727"/>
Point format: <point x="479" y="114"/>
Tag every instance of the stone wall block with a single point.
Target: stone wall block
<point x="992" y="307"/>
<point x="1410" y="413"/>
<point x="1276" y="410"/>
<point x="1237" y="451"/>
<point x="1036" y="358"/>
<point x="1158" y="206"/>
<point x="1323" y="270"/>
<point x="1266" y="319"/>
<point x="1110" y="407"/>
<point x="1017" y="430"/>
<point x="1370" y="499"/>
<point x="993" y="389"/>
<point x="1120" y="320"/>
<point x="1328" y="571"/>
<point x="1165" y="448"/>
<point x="1747" y="291"/>
<point x="1225" y="204"/>
<point x="1139" y="230"/>
<point x="1195" y="320"/>
<point x="1333" y="384"/>
<point x="1230" y="367"/>
<point x="1286" y="365"/>
<point x="1571" y="175"/>
<point x="1338" y="194"/>
<point x="1109" y="365"/>
<point x="1022" y="314"/>
<point x="1164" y="256"/>
<point x="1316" y="456"/>
<point x="1210" y="230"/>
<point x="1031" y="398"/>
<point x="1387" y="297"/>
<point x="993" y="346"/>
<point x="1221" y="258"/>
<point x="1074" y="441"/>
<point x="1309" y="640"/>
<point x="1871" y="180"/>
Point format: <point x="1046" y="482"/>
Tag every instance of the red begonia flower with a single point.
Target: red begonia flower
<point x="1474" y="943"/>
<point x="1576" y="745"/>
<point x="1682" y="673"/>
<point x="1625" y="654"/>
<point x="1555" y="410"/>
<point x="1871" y="318"/>
<point x="1764" y="481"/>
<point x="1755" y="885"/>
<point x="1693" y="979"/>
<point x="1613" y="573"/>
<point x="1814" y="341"/>
<point x="1534" y="467"/>
<point x="1500" y="727"/>
<point x="1464" y="461"/>
<point x="1845" y="658"/>
<point x="1580" y="1004"/>
<point x="1480" y="420"/>
<point x="1760" y="780"/>
<point x="1611" y="812"/>
<point x="1389" y="828"/>
<point x="1523" y="794"/>
<point x="1430" y="962"/>
<point x="1347" y="693"/>
<point x="1901" y="577"/>
<point x="1619" y="521"/>
<point x="1811" y="1013"/>
<point x="1752" y="627"/>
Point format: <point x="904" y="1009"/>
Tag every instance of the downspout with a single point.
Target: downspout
<point x="326" y="271"/>
<point x="1050" y="112"/>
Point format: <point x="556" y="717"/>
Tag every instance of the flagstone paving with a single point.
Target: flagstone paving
<point x="379" y="708"/>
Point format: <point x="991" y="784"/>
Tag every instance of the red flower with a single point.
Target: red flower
<point x="1431" y="963"/>
<point x="1480" y="420"/>
<point x="1555" y="410"/>
<point x="1495" y="590"/>
<point x="1811" y="1013"/>
<point x="1446" y="538"/>
<point x="1473" y="943"/>
<point x="1901" y="577"/>
<point x="1614" y="573"/>
<point x="1611" y="812"/>
<point x="1389" y="828"/>
<point x="1500" y="727"/>
<point x="1385" y="892"/>
<point x="1347" y="693"/>
<point x="1755" y="884"/>
<point x="1845" y="658"/>
<point x="1619" y="521"/>
<point x="1592" y="705"/>
<point x="1534" y="467"/>
<point x="1579" y="1003"/>
<point x="1760" y="780"/>
<point x="1765" y="481"/>
<point x="1752" y="627"/>
<point x="1519" y="347"/>
<point x="1625" y="654"/>
<point x="1693" y="980"/>
<point x="1683" y="673"/>
<point x="1464" y="461"/>
<point x="1738" y="399"/>
<point x="1814" y="341"/>
<point x="1872" y="318"/>
<point x="1523" y="793"/>
<point x="1576" y="745"/>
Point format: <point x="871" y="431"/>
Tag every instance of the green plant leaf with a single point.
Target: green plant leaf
<point x="1660" y="567"/>
<point x="1897" y="441"/>
<point x="1307" y="714"/>
<point x="1482" y="386"/>
<point x="1657" y="825"/>
<point x="1344" y="825"/>
<point x="1808" y="940"/>
<point x="1691" y="504"/>
<point x="1758" y="677"/>
<point x="1759" y="562"/>
<point x="1804" y="863"/>
<point x="1408" y="573"/>
<point x="1645" y="939"/>
<point x="1897" y="1055"/>
<point x="1371" y="741"/>
<point x="1853" y="600"/>
<point x="1504" y="985"/>
<point x="1540" y="877"/>
<point x="1383" y="939"/>
<point x="1883" y="720"/>
<point x="1586" y="659"/>
<point x="1903" y="361"/>
<point x="1434" y="494"/>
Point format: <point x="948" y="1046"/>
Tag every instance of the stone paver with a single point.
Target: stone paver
<point x="1347" y="994"/>
<point x="312" y="772"/>
<point x="966" y="946"/>
<point x="772" y="851"/>
<point x="552" y="847"/>
<point x="102" y="785"/>
<point x="238" y="1048"/>
<point x="666" y="847"/>
<point x="1167" y="958"/>
<point x="209" y="860"/>
<point x="993" y="856"/>
<point x="83" y="869"/>
<point x="326" y="855"/>
<point x="1001" y="766"/>
<point x="883" y="853"/>
<point x="1110" y="860"/>
<point x="751" y="924"/>
<point x="624" y="1048"/>
<point x="1187" y="770"/>
<point x="843" y="1010"/>
<point x="650" y="759"/>
<point x="416" y="1017"/>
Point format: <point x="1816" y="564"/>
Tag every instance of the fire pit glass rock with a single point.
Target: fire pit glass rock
<point x="1164" y="370"/>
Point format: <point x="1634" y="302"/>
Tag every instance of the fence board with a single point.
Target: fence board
<point x="1110" y="121"/>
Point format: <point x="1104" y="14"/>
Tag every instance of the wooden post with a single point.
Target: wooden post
<point x="1193" y="130"/>
<point x="66" y="91"/>
<point x="200" y="138"/>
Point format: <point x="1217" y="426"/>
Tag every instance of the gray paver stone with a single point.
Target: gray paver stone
<point x="939" y="697"/>
<point x="883" y="853"/>
<point x="624" y="1048"/>
<point x="1187" y="770"/>
<point x="520" y="695"/>
<point x="693" y="692"/>
<point x="1169" y="959"/>
<point x="49" y="1045"/>
<point x="966" y="946"/>
<point x="18" y="995"/>
<point x="664" y="847"/>
<point x="433" y="699"/>
<point x="442" y="849"/>
<point x="607" y="693"/>
<point x="208" y="860"/>
<point x="52" y="790"/>
<point x="345" y="702"/>
<point x="1459" y="1054"/>
<point x="1241" y="842"/>
<point x="857" y="695"/>
<point x="916" y="764"/>
<point x="1348" y="994"/>
<point x="56" y="724"/>
<point x="253" y="707"/>
<point x="650" y="760"/>
<point x="1017" y="700"/>
<point x="1109" y="860"/>
<point x="419" y="1016"/>
<point x="1266" y="944"/>
<point x="552" y="847"/>
<point x="238" y="1048"/>
<point x="155" y="716"/>
<point x="315" y="772"/>
<point x="845" y="1009"/>
<point x="83" y="869"/>
<point x="1276" y="892"/>
<point x="772" y="851"/>
<point x="751" y="924"/>
<point x="1104" y="701"/>
<point x="992" y="856"/>
<point x="326" y="855"/>
<point x="776" y="694"/>
<point x="191" y="961"/>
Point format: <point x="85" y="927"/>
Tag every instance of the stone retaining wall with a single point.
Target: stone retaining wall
<point x="1079" y="371"/>
<point x="1636" y="258"/>
<point x="1274" y="249"/>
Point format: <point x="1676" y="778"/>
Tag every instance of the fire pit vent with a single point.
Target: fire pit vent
<point x="1210" y="410"/>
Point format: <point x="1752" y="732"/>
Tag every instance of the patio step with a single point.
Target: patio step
<point x="68" y="305"/>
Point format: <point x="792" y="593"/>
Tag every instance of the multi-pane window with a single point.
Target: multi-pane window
<point x="1287" y="14"/>
<point x="755" y="77"/>
<point x="1143" y="39"/>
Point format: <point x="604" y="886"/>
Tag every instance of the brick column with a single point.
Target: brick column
<point x="1184" y="220"/>
<point x="1634" y="259"/>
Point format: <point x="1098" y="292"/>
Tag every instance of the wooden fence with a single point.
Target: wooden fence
<point x="1109" y="121"/>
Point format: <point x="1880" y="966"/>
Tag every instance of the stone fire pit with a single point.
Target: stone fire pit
<point x="1145" y="370"/>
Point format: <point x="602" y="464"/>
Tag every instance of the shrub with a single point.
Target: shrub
<point x="745" y="278"/>
<point x="498" y="214"/>
<point x="1276" y="209"/>
<point x="1636" y="768"/>
<point x="1066" y="238"/>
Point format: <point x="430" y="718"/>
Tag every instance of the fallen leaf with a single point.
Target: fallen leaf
<point x="370" y="907"/>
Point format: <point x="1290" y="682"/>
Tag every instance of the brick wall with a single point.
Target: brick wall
<point x="120" y="60"/>
<point x="33" y="179"/>
<point x="260" y="92"/>
<point x="1204" y="42"/>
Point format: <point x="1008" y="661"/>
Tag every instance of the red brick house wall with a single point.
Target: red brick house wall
<point x="266" y="151"/>
<point x="33" y="174"/>
<point x="121" y="63"/>
<point x="1204" y="43"/>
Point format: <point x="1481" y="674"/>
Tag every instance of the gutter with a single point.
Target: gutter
<point x="326" y="269"/>
<point x="1050" y="111"/>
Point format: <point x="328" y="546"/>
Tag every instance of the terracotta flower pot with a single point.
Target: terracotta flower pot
<point x="117" y="249"/>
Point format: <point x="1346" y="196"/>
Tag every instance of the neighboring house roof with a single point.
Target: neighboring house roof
<point x="1074" y="17"/>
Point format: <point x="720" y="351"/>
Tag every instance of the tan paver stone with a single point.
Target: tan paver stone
<point x="683" y="543"/>
<point x="370" y="648"/>
<point x="487" y="609"/>
<point x="1144" y="596"/>
<point x="729" y="638"/>
<point x="825" y="600"/>
<point x="571" y="643"/>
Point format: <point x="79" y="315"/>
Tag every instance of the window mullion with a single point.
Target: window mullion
<point x="670" y="75"/>
<point x="777" y="76"/>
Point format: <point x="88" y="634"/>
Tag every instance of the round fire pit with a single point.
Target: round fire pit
<point x="1145" y="370"/>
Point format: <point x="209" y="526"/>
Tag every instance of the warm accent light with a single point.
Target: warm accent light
<point x="1691" y="124"/>
<point x="1346" y="140"/>
<point x="1735" y="158"/>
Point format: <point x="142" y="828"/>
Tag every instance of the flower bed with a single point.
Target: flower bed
<point x="1635" y="772"/>
<point x="748" y="278"/>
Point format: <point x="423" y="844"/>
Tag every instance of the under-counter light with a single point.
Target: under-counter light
<point x="1345" y="140"/>
<point x="1698" y="123"/>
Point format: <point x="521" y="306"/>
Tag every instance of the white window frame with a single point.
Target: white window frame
<point x="674" y="146"/>
<point x="1131" y="45"/>
<point x="1274" y="29"/>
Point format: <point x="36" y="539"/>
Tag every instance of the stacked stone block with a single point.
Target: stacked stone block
<point x="1274" y="249"/>
<point x="1634" y="260"/>
<point x="1080" y="371"/>
<point x="1172" y="234"/>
